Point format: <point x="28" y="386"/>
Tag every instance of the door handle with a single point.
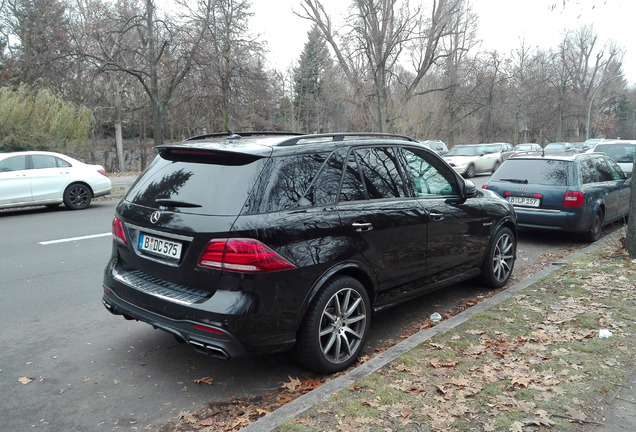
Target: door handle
<point x="436" y="216"/>
<point x="362" y="226"/>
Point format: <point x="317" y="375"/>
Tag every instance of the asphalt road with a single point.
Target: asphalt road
<point x="92" y="371"/>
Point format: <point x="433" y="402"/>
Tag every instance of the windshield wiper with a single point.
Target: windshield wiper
<point x="515" y="181"/>
<point x="174" y="203"/>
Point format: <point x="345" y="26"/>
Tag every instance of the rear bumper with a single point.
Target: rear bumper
<point x="569" y="221"/>
<point x="227" y="323"/>
<point x="215" y="342"/>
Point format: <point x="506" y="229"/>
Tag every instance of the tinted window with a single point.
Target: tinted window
<point x="588" y="172"/>
<point x="352" y="185"/>
<point x="216" y="185"/>
<point x="535" y="171"/>
<point x="47" y="161"/>
<point x="324" y="189"/>
<point x="380" y="174"/>
<point x="605" y="174"/>
<point x="285" y="181"/>
<point x="617" y="172"/>
<point x="15" y="163"/>
<point x="430" y="176"/>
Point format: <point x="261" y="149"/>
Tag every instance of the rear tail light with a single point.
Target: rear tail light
<point x="118" y="231"/>
<point x="573" y="199"/>
<point x="102" y="172"/>
<point x="243" y="256"/>
<point x="484" y="186"/>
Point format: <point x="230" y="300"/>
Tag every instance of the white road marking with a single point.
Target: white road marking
<point x="70" y="239"/>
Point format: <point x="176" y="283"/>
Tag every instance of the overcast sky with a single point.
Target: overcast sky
<point x="502" y="25"/>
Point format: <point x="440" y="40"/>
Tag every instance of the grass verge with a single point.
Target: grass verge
<point x="533" y="361"/>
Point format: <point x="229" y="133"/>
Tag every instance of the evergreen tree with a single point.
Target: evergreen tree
<point x="309" y="81"/>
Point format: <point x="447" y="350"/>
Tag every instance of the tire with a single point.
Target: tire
<point x="497" y="164"/>
<point x="470" y="171"/>
<point x="77" y="196"/>
<point x="500" y="259"/>
<point x="335" y="327"/>
<point x="594" y="233"/>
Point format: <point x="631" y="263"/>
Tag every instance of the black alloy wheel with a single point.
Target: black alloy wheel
<point x="77" y="196"/>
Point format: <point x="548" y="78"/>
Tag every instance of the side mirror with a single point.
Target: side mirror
<point x="470" y="191"/>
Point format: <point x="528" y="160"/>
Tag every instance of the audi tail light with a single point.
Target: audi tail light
<point x="573" y="199"/>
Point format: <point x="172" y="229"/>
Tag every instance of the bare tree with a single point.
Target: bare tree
<point x="379" y="33"/>
<point x="157" y="52"/>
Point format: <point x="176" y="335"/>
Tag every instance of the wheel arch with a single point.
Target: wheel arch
<point x="79" y="182"/>
<point x="350" y="269"/>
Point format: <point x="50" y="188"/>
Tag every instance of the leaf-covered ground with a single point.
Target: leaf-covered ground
<point x="533" y="362"/>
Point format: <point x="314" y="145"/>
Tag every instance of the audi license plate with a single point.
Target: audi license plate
<point x="166" y="248"/>
<point x="523" y="201"/>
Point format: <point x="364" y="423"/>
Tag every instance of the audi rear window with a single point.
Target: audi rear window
<point x="535" y="171"/>
<point x="197" y="183"/>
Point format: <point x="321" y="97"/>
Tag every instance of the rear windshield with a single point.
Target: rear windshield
<point x="535" y="171"/>
<point x="218" y="186"/>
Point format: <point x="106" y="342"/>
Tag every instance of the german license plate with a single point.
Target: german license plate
<point x="163" y="247"/>
<point x="523" y="201"/>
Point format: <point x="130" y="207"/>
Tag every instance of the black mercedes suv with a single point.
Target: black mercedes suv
<point x="256" y="242"/>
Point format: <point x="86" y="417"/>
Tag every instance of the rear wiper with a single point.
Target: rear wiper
<point x="515" y="181"/>
<point x="174" y="203"/>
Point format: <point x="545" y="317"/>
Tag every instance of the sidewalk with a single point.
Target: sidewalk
<point x="121" y="182"/>
<point x="333" y="401"/>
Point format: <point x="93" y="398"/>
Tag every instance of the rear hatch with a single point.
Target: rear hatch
<point x="186" y="197"/>
<point x="533" y="183"/>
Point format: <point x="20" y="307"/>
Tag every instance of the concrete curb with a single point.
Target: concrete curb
<point x="298" y="406"/>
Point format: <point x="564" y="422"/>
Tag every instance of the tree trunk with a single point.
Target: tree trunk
<point x="631" y="223"/>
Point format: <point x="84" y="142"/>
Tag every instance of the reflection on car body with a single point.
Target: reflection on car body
<point x="471" y="159"/>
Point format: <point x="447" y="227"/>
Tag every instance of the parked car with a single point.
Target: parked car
<point x="257" y="242"/>
<point x="580" y="147"/>
<point x="46" y="178"/>
<point x="472" y="159"/>
<point x="621" y="151"/>
<point x="591" y="142"/>
<point x="577" y="193"/>
<point x="528" y="147"/>
<point x="559" y="148"/>
<point x="438" y="146"/>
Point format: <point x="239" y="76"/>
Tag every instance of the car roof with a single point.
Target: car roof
<point x="32" y="152"/>
<point x="561" y="157"/>
<point x="617" y="141"/>
<point x="264" y="144"/>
